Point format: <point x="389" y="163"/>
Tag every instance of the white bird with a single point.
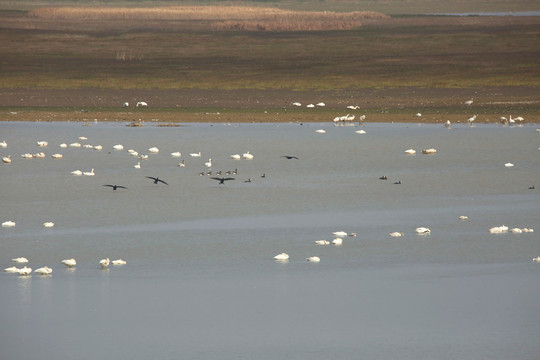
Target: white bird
<point x="12" y="269"/>
<point x="176" y="154"/>
<point x="429" y="151"/>
<point x="396" y="234"/>
<point x="75" y="144"/>
<point x="360" y="131"/>
<point x="119" y="262"/>
<point x="235" y="156"/>
<point x="313" y="259"/>
<point x="281" y="257"/>
<point x="83" y="138"/>
<point x="310" y="106"/>
<point x="118" y="147"/>
<point x="182" y="164"/>
<point x="154" y="150"/>
<point x="516" y="230"/>
<point x="76" y="172"/>
<point x="447" y="123"/>
<point x="537" y="259"/>
<point x="42" y="143"/>
<point x="322" y="242"/>
<point x="39" y="155"/>
<point x="27" y="156"/>
<point x="423" y="230"/>
<point x="69" y="262"/>
<point x="143" y="157"/>
<point x="3" y="144"/>
<point x="337" y="241"/>
<point x="8" y="223"/>
<point x="195" y="154"/>
<point x="321" y="104"/>
<point x="208" y="163"/>
<point x="48" y="224"/>
<point x="43" y="270"/>
<point x="247" y="156"/>
<point x="98" y="147"/>
<point x="469" y="102"/>
<point x="7" y="159"/>
<point x="418" y="115"/>
<point x="463" y="217"/>
<point x="89" y="173"/>
<point x="137" y="166"/>
<point x="320" y="131"/>
<point x="296" y="104"/>
<point x="133" y="153"/>
<point x="339" y="233"/>
<point x="57" y="156"/>
<point x="509" y="164"/>
<point x="142" y="104"/>
<point x="471" y="119"/>
<point x="410" y="151"/>
<point x="104" y="263"/>
<point x="25" y="271"/>
<point x="20" y="260"/>
<point x="353" y="107"/>
<point x="126" y="104"/>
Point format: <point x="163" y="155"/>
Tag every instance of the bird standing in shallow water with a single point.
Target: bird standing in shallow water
<point x="156" y="180"/>
<point x="114" y="187"/>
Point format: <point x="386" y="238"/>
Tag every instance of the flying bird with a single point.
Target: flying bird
<point x="156" y="180"/>
<point x="114" y="187"/>
<point x="222" y="180"/>
<point x="289" y="157"/>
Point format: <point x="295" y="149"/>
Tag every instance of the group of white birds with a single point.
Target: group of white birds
<point x="45" y="270"/>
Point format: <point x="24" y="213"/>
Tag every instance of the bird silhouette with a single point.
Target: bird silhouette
<point x="221" y="179"/>
<point x="114" y="187"/>
<point x="156" y="180"/>
<point x="289" y="157"/>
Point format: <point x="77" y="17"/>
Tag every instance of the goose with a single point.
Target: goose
<point x="138" y="165"/>
<point x="42" y="143"/>
<point x="76" y="172"/>
<point x="337" y="241"/>
<point x="182" y="164"/>
<point x="3" y="144"/>
<point x="27" y="156"/>
<point x="247" y="155"/>
<point x="114" y="187"/>
<point x="322" y="242"/>
<point x="69" y="262"/>
<point x="48" y="224"/>
<point x="118" y="147"/>
<point x="57" y="156"/>
<point x="43" y="270"/>
<point x="156" y="180"/>
<point x="12" y="269"/>
<point x="410" y="151"/>
<point x="423" y="230"/>
<point x="222" y="180"/>
<point x="195" y="154"/>
<point x="313" y="259"/>
<point x="153" y="150"/>
<point x="282" y="257"/>
<point x="320" y="131"/>
<point x="396" y="234"/>
<point x="235" y="156"/>
<point x="8" y="223"/>
<point x="463" y="217"/>
<point x="208" y="163"/>
<point x="119" y="262"/>
<point x="89" y="173"/>
<point x="104" y="263"/>
<point x="21" y="260"/>
<point x="7" y="159"/>
<point x="176" y="154"/>
<point x="25" y="271"/>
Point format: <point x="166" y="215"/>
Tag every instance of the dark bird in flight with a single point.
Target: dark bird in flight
<point x="289" y="157"/>
<point x="114" y="187"/>
<point x="156" y="180"/>
<point x="222" y="180"/>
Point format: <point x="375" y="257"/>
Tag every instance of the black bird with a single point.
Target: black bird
<point x="248" y="180"/>
<point x="156" y="180"/>
<point x="531" y="188"/>
<point x="289" y="157"/>
<point x="114" y="187"/>
<point x="397" y="182"/>
<point x="222" y="180"/>
<point x="383" y="177"/>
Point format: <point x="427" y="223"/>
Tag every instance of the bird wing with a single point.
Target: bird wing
<point x="229" y="178"/>
<point x="163" y="181"/>
<point x="150" y="177"/>
<point x="109" y="185"/>
<point x="216" y="178"/>
<point x="122" y="187"/>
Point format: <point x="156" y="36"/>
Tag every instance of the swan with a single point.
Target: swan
<point x="75" y="144"/>
<point x="104" y="263"/>
<point x="137" y="165"/>
<point x="429" y="151"/>
<point x="8" y="223"/>
<point x="118" y="147"/>
<point x="410" y="151"/>
<point x="57" y="156"/>
<point x="509" y="164"/>
<point x="296" y="104"/>
<point x="516" y="230"/>
<point x="43" y="270"/>
<point x="498" y="229"/>
<point x="447" y="123"/>
<point x="7" y="159"/>
<point x="143" y="157"/>
<point x="27" y="156"/>
<point x="195" y="154"/>
<point x="247" y="156"/>
<point x="83" y="138"/>
<point x="182" y="164"/>
<point x="126" y="104"/>
<point x="25" y="271"/>
<point x="48" y="224"/>
<point x="339" y="233"/>
<point x="337" y="241"/>
<point x="313" y="259"/>
<point x="153" y="150"/>
<point x="360" y="131"/>
<point x="310" y="106"/>
<point x="463" y="217"/>
<point x="281" y="257"/>
<point x="42" y="143"/>
<point x="396" y="234"/>
<point x="69" y="262"/>
<point x="133" y="152"/>
<point x="176" y="154"/>
<point x="88" y="146"/>
<point x="208" y="163"/>
<point x="3" y="144"/>
<point x="76" y="172"/>
<point x="141" y="104"/>
<point x="321" y="104"/>
<point x="39" y="155"/>
<point x="119" y="262"/>
<point x="471" y="119"/>
<point x="353" y="107"/>
<point x="423" y="230"/>
<point x="418" y="115"/>
<point x="320" y="131"/>
<point x="12" y="269"/>
<point x="468" y="102"/>
<point x="235" y="156"/>
<point x="21" y="260"/>
<point x="322" y="242"/>
<point x="89" y="173"/>
<point x="98" y="147"/>
<point x="537" y="259"/>
<point x="528" y="230"/>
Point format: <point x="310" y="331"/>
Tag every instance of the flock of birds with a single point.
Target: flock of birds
<point x="45" y="270"/>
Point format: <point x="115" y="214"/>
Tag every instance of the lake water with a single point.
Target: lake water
<point x="200" y="280"/>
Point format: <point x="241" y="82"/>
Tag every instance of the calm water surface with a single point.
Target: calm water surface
<point x="200" y="280"/>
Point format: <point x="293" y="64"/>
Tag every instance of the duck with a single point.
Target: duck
<point x="89" y="173"/>
<point x="69" y="262"/>
<point x="104" y="263"/>
<point x="45" y="270"/>
<point x="281" y="257"/>
<point x="119" y="262"/>
<point x="313" y="259"/>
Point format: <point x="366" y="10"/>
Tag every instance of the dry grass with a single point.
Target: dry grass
<point x="218" y="17"/>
